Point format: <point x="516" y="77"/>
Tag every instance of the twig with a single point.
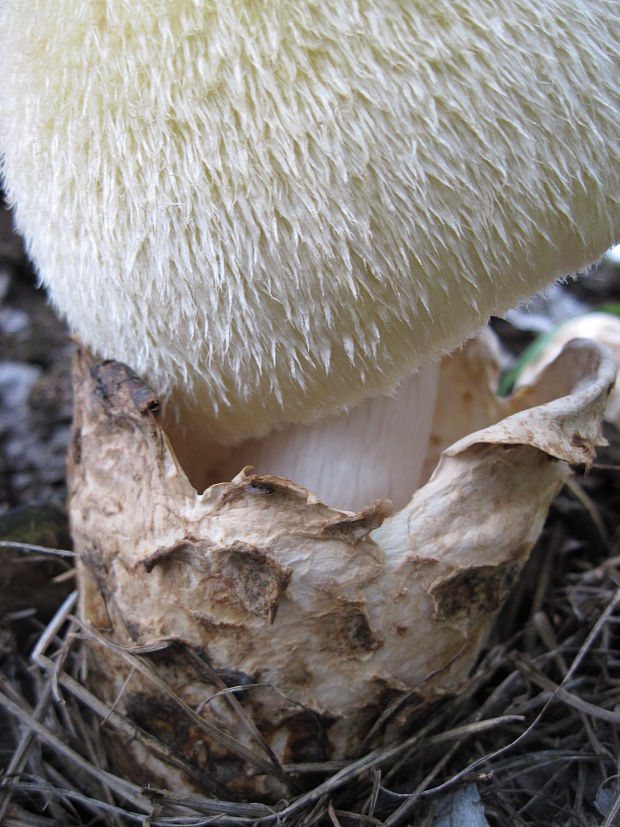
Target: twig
<point x="55" y="552"/>
<point x="55" y="624"/>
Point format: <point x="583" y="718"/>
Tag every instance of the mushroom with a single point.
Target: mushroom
<point x="282" y="216"/>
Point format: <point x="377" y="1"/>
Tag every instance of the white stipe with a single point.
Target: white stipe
<point x="349" y="461"/>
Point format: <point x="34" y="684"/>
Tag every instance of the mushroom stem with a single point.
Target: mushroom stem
<point x="376" y="450"/>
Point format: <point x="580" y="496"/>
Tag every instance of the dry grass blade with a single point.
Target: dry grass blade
<point x="126" y="789"/>
<point x="96" y="806"/>
<point x="208" y="807"/>
<point x="613" y="815"/>
<point x="126" y="728"/>
<point x="55" y="552"/>
<point x="20" y="756"/>
<point x="590" y="506"/>
<point x="564" y="695"/>
<point x="377" y="757"/>
<point x="55" y="624"/>
<point x="593" y="634"/>
<point x="138" y="663"/>
<point x="212" y="675"/>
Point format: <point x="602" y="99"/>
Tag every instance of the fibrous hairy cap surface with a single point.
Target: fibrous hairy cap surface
<point x="274" y="210"/>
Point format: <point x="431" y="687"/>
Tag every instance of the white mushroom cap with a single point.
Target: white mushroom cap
<point x="274" y="211"/>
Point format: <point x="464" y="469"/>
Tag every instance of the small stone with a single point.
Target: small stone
<point x="13" y="321"/>
<point x="16" y="382"/>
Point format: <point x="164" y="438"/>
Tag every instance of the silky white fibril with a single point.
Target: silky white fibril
<point x="274" y="210"/>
